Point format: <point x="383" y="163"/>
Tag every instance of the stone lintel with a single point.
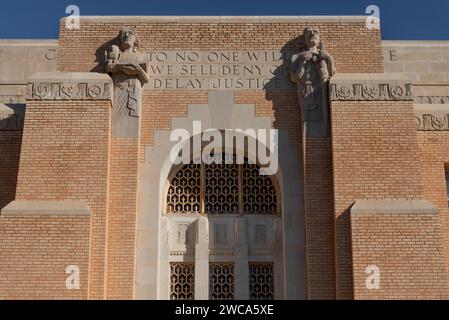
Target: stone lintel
<point x="70" y="86"/>
<point x="44" y="207"/>
<point x="222" y="19"/>
<point x="371" y="87"/>
<point x="389" y="206"/>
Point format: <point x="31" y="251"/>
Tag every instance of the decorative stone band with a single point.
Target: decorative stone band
<point x="43" y="207"/>
<point x="393" y="206"/>
<point x="432" y="99"/>
<point x="432" y="117"/>
<point x="70" y="86"/>
<point x="11" y="117"/>
<point x="370" y="87"/>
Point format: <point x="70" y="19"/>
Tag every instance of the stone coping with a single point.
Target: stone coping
<point x="223" y="19"/>
<point x="44" y="207"/>
<point x="389" y="206"/>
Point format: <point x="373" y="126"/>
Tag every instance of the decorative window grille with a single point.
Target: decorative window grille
<point x="261" y="282"/>
<point x="184" y="192"/>
<point x="222" y="189"/>
<point x="182" y="281"/>
<point x="259" y="194"/>
<point x="221" y="281"/>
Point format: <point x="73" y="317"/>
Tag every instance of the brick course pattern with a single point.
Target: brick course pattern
<point x="434" y="154"/>
<point x="375" y="156"/>
<point x="349" y="42"/>
<point x="122" y="215"/>
<point x="35" y="252"/>
<point x="65" y="155"/>
<point x="78" y="52"/>
<point x="408" y="251"/>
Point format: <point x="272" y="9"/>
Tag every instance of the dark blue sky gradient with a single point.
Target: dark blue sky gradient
<point x="401" y="20"/>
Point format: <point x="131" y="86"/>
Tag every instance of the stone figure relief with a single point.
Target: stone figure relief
<point x="221" y="236"/>
<point x="311" y="70"/>
<point x="128" y="69"/>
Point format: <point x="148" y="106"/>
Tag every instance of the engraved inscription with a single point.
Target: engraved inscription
<point x="218" y="70"/>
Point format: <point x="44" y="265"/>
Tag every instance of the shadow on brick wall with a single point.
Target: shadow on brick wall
<point x="11" y="126"/>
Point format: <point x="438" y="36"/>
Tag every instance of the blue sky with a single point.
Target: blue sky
<point x="401" y="19"/>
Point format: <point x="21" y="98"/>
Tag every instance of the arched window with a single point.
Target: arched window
<point x="222" y="189"/>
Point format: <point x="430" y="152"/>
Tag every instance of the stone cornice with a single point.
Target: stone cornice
<point x="70" y="86"/>
<point x="370" y="87"/>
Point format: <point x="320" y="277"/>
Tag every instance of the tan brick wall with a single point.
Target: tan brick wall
<point x="10" y="143"/>
<point x="319" y="218"/>
<point x="34" y="254"/>
<point x="83" y="50"/>
<point x="375" y="156"/>
<point x="406" y="248"/>
<point x="122" y="218"/>
<point x="434" y="153"/>
<point x="65" y="155"/>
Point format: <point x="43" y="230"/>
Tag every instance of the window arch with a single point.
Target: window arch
<point x="220" y="188"/>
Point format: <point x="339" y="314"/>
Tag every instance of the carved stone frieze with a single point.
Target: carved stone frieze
<point x="69" y="86"/>
<point x="68" y="91"/>
<point x="370" y="90"/>
<point x="432" y="99"/>
<point x="432" y="122"/>
<point x="432" y="117"/>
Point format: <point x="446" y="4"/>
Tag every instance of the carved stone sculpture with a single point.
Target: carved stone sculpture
<point x="128" y="70"/>
<point x="311" y="70"/>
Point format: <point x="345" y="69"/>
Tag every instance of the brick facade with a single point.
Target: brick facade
<point x="374" y="153"/>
